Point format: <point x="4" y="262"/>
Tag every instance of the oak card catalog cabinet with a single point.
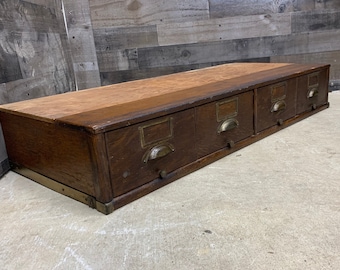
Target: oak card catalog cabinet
<point x="110" y="145"/>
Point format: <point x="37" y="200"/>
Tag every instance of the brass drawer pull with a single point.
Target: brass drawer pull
<point x="158" y="151"/>
<point x="312" y="93"/>
<point x="279" y="106"/>
<point x="228" y="124"/>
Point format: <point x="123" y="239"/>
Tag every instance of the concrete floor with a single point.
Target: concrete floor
<point x="272" y="205"/>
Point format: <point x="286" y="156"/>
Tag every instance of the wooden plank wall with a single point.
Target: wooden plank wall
<point x="136" y="39"/>
<point x="54" y="46"/>
<point x="34" y="54"/>
<point x="80" y="37"/>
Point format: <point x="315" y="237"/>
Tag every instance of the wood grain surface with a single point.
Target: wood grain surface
<point x="107" y="96"/>
<point x="33" y="48"/>
<point x="223" y="29"/>
<point x="230" y="31"/>
<point x="109" y="13"/>
<point x="80" y="37"/>
<point x="238" y="49"/>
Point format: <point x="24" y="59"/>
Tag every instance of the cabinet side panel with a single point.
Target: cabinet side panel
<point x="56" y="152"/>
<point x="102" y="179"/>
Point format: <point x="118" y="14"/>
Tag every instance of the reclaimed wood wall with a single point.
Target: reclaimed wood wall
<point x="142" y="38"/>
<point x="34" y="55"/>
<point x="54" y="46"/>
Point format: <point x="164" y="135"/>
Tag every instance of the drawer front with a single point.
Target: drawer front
<point x="144" y="152"/>
<point x="275" y="104"/>
<point x="220" y="124"/>
<point x="312" y="91"/>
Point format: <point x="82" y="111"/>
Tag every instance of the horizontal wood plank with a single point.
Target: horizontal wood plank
<point x="108" y="39"/>
<point x="224" y="29"/>
<point x="118" y="60"/>
<point x="222" y="8"/>
<point x="315" y="21"/>
<point x="238" y="49"/>
<point x="327" y="4"/>
<point x="35" y="87"/>
<point x="107" y="13"/>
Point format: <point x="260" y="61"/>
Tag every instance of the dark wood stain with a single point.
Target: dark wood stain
<point x="114" y="153"/>
<point x="46" y="148"/>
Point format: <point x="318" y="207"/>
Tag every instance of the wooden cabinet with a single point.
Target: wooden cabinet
<point x="110" y="145"/>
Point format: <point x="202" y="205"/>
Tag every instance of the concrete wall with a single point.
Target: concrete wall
<point x="53" y="46"/>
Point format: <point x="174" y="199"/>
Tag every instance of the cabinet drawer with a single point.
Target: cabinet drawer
<point x="220" y="124"/>
<point x="312" y="91"/>
<point x="144" y="152"/>
<point x="275" y="104"/>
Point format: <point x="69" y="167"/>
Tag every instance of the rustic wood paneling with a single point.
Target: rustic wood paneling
<point x="327" y="4"/>
<point x="109" y="41"/>
<point x="19" y="16"/>
<point x="224" y="29"/>
<point x="125" y="38"/>
<point x="238" y="49"/>
<point x="80" y="34"/>
<point x="315" y="21"/>
<point x="116" y="47"/>
<point x="33" y="46"/>
<point x="118" y="60"/>
<point x="137" y="74"/>
<point x="35" y="87"/>
<point x="45" y="3"/>
<point x="222" y="8"/>
<point x="108" y="13"/>
<point x="40" y="53"/>
<point x="331" y="57"/>
<point x="17" y="46"/>
<point x="9" y="62"/>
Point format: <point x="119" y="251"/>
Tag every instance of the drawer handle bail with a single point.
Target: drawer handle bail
<point x="158" y="151"/>
<point x="279" y="106"/>
<point x="228" y="124"/>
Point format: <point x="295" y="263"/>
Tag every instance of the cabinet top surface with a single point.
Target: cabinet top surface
<point x="198" y="83"/>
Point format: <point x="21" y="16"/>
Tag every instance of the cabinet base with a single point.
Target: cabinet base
<point x="117" y="202"/>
